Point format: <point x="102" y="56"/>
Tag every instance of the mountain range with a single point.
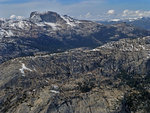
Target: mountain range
<point x="50" y="32"/>
<point x="51" y="63"/>
<point x="143" y="22"/>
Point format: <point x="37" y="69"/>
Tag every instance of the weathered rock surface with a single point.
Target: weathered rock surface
<point x="113" y="78"/>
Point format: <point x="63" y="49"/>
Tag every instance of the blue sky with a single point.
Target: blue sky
<point x="81" y="9"/>
<point x="24" y="1"/>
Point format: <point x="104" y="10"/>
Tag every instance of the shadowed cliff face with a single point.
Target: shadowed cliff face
<point x="113" y="78"/>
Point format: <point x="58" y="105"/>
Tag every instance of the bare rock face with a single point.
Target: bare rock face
<point x="46" y="17"/>
<point x="113" y="78"/>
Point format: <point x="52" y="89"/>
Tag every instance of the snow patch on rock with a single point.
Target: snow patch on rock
<point x="69" y="21"/>
<point x="6" y="33"/>
<point x="53" y="91"/>
<point x="53" y="25"/>
<point x="24" y="68"/>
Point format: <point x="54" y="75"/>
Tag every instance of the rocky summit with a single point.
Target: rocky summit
<point x="51" y="63"/>
<point x="46" y="17"/>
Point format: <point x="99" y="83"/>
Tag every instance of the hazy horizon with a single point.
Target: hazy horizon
<point x="80" y="9"/>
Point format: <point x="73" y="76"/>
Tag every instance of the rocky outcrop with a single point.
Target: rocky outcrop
<point x="113" y="78"/>
<point x="49" y="16"/>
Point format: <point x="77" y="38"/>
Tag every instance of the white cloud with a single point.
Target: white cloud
<point x="136" y="13"/>
<point x="111" y="12"/>
<point x="88" y="15"/>
<point x="14" y="17"/>
<point x="74" y="10"/>
<point x="87" y="9"/>
<point x="19" y="17"/>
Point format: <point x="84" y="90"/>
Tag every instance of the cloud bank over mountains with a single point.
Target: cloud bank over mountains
<point x="115" y="15"/>
<point x="80" y="9"/>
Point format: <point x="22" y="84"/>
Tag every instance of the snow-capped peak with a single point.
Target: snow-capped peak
<point x="48" y="16"/>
